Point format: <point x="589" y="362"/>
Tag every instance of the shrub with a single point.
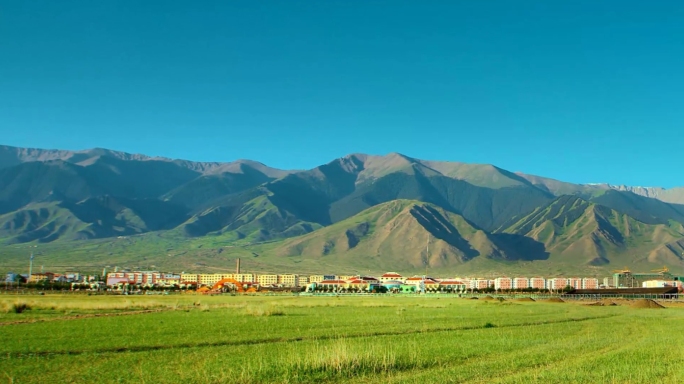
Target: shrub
<point x="20" y="307"/>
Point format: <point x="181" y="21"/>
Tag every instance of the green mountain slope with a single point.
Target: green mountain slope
<point x="91" y="218"/>
<point x="396" y="235"/>
<point x="256" y="220"/>
<point x="585" y="232"/>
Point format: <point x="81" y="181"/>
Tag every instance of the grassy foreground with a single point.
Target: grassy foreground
<point x="227" y="339"/>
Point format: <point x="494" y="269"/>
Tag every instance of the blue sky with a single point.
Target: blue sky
<point x="582" y="91"/>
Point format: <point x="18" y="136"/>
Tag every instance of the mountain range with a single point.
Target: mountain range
<point x="358" y="212"/>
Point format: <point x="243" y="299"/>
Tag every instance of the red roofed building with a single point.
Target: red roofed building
<point x="415" y="280"/>
<point x="363" y="282"/>
<point x="452" y="285"/>
<point x="333" y="282"/>
<point x="331" y="285"/>
<point x="420" y="282"/>
<point x="391" y="276"/>
<point x="366" y="279"/>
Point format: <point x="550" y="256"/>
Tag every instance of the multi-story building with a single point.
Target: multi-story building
<point x="608" y="282"/>
<point x="521" y="283"/>
<point x="139" y="277"/>
<point x="37" y="277"/>
<point x="303" y="281"/>
<point x="267" y="280"/>
<point x="590" y="283"/>
<point x="246" y="277"/>
<point x="189" y="278"/>
<point x="575" y="282"/>
<point x="319" y="278"/>
<point x="557" y="283"/>
<point x="288" y="280"/>
<point x="168" y="280"/>
<point x="503" y="283"/>
<point x="538" y="283"/>
<point x="479" y="284"/>
<point x="210" y="279"/>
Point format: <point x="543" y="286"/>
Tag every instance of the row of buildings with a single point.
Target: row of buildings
<point x="50" y="277"/>
<point x="390" y="280"/>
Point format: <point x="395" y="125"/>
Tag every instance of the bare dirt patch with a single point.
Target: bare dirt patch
<point x="555" y="300"/>
<point x="646" y="303"/>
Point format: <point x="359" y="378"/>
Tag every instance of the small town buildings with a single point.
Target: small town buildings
<point x="115" y="281"/>
<point x="38" y="277"/>
<point x="590" y="283"/>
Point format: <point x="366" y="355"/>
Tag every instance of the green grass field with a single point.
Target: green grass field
<point x="288" y="339"/>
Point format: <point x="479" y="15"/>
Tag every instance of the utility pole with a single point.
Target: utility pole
<point x="30" y="267"/>
<point x="427" y="254"/>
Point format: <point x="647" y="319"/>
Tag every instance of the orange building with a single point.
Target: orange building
<point x="590" y="283"/>
<point x="521" y="283"/>
<point x="503" y="283"/>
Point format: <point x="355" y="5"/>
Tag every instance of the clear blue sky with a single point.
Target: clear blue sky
<point x="583" y="91"/>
